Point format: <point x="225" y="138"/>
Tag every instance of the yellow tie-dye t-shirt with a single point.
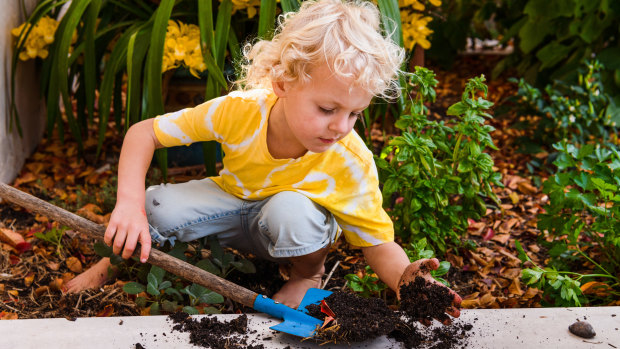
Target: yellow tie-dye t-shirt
<point x="343" y="179"/>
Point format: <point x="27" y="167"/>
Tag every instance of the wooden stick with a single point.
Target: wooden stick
<point x="158" y="258"/>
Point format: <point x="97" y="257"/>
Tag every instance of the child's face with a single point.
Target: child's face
<point x="321" y="112"/>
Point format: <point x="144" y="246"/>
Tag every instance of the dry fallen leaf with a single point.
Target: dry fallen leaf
<point x="74" y="265"/>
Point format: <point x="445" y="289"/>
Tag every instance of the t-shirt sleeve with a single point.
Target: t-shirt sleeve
<point x="369" y="225"/>
<point x="198" y="124"/>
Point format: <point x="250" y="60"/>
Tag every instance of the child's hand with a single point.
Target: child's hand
<point x="127" y="226"/>
<point x="423" y="268"/>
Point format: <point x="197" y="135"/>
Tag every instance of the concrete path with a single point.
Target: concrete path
<point x="492" y="328"/>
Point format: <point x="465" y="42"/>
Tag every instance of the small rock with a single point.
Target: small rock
<point x="582" y="329"/>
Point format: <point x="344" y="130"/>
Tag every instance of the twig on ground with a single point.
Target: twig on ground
<point x="330" y="275"/>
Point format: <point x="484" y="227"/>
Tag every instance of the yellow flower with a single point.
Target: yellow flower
<point x="435" y="3"/>
<point x="39" y="38"/>
<point x="415" y="30"/>
<point x="182" y="48"/>
<point x="252" y="6"/>
<point x="415" y="4"/>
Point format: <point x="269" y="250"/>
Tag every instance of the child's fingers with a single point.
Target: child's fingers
<point x="430" y="264"/>
<point x="130" y="245"/>
<point x="145" y="242"/>
<point x="119" y="241"/>
<point x="110" y="231"/>
<point x="453" y="311"/>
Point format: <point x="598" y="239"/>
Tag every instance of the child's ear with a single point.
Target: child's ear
<point x="278" y="88"/>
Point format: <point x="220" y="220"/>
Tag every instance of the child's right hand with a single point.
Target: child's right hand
<point x="128" y="225"/>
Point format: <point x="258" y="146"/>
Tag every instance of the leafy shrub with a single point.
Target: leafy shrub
<point x="569" y="111"/>
<point x="551" y="38"/>
<point x="583" y="215"/>
<point x="439" y="173"/>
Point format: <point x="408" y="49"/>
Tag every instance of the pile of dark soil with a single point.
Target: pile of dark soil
<point x="359" y="319"/>
<point x="208" y="332"/>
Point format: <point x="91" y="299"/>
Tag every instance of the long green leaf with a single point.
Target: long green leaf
<point x="61" y="56"/>
<point x="136" y="51"/>
<point x="113" y="65"/>
<point x="267" y="19"/>
<point x="290" y="5"/>
<point x="390" y="17"/>
<point x="154" y="59"/>
<point x="207" y="40"/>
<point x="90" y="70"/>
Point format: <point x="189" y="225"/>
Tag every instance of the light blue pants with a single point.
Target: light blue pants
<point x="287" y="224"/>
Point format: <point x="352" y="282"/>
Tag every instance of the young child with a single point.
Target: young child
<point x="296" y="176"/>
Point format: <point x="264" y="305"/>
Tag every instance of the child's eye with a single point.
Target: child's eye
<point x="326" y="111"/>
<point x="356" y="115"/>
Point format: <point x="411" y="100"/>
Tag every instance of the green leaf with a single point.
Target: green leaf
<point x="133" y="288"/>
<point x="190" y="310"/>
<point x="267" y="18"/>
<point x="154" y="58"/>
<point x="155" y="309"/>
<point x="152" y="289"/>
<point x="289" y="5"/>
<point x="206" y="264"/>
<point x="168" y="306"/>
<point x="101" y="249"/>
<point x="457" y="109"/>
<point x="211" y="298"/>
<point x="390" y="17"/>
<point x="552" y="54"/>
<point x="158" y="273"/>
<point x="164" y="285"/>
<point x="531" y="276"/>
<point x="444" y="267"/>
<point x="244" y="266"/>
<point x="533" y="32"/>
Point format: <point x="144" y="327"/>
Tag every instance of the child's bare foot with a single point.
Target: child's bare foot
<point x="295" y="288"/>
<point x="93" y="277"/>
<point x="305" y="272"/>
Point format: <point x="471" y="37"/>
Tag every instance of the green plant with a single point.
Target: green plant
<point x="583" y="214"/>
<point x="53" y="237"/>
<point x="567" y="111"/>
<point x="222" y="263"/>
<point x="368" y="285"/>
<point x="553" y="37"/>
<point x="436" y="175"/>
<point x="419" y="251"/>
<point x="165" y="292"/>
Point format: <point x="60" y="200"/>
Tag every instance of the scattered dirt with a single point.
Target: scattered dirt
<point x="208" y="332"/>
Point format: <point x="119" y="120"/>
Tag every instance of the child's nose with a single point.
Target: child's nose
<point x="340" y="124"/>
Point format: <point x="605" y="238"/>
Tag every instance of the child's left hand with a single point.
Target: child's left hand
<point x="423" y="268"/>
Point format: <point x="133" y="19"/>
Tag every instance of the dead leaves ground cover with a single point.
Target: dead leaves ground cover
<point x="37" y="257"/>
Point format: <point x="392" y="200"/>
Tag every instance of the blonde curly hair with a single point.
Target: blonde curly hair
<point x="344" y="34"/>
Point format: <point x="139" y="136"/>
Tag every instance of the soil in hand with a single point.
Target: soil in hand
<point x="423" y="300"/>
<point x="208" y="332"/>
